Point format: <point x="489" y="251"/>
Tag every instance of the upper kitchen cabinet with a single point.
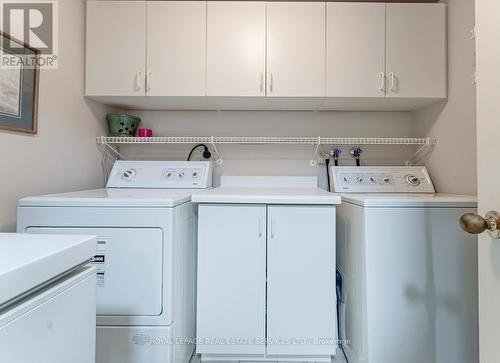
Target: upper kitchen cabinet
<point x="355" y="50"/>
<point x="258" y="55"/>
<point x="116" y="48"/>
<point x="296" y="49"/>
<point x="236" y="48"/>
<point x="139" y="48"/>
<point x="416" y="51"/>
<point x="176" y="39"/>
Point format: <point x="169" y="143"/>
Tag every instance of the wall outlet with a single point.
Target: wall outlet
<point x="322" y="156"/>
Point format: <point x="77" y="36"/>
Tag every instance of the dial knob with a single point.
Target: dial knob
<point x="412" y="180"/>
<point x="372" y="179"/>
<point x="359" y="179"/>
<point x="129" y="175"/>
<point x="181" y="175"/>
<point x="195" y="175"/>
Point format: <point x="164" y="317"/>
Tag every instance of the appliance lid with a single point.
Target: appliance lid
<point x="113" y="197"/>
<point x="401" y="200"/>
<point x="27" y="260"/>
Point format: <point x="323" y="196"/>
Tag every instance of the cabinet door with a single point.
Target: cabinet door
<point x="301" y="296"/>
<point x="416" y="50"/>
<point x="231" y="279"/>
<point x="355" y="50"/>
<point x="116" y="48"/>
<point x="176" y="39"/>
<point x="236" y="48"/>
<point x="296" y="49"/>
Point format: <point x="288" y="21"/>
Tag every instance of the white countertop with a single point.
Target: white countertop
<point x="266" y="195"/>
<point x="28" y="260"/>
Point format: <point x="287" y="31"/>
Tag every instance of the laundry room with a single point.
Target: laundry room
<point x="256" y="181"/>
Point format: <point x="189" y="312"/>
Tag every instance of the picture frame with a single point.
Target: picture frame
<point x="18" y="86"/>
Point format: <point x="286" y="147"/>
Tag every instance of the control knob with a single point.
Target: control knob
<point x="412" y="180"/>
<point x="129" y="175"/>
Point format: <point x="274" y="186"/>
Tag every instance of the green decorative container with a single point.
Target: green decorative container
<point x="122" y="125"/>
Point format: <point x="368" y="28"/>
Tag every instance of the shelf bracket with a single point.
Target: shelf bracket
<point x="218" y="160"/>
<point x="115" y="151"/>
<point x="423" y="151"/>
<point x="314" y="160"/>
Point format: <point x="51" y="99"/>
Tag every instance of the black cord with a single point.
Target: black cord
<point x="340" y="299"/>
<point x="206" y="153"/>
<point x="327" y="162"/>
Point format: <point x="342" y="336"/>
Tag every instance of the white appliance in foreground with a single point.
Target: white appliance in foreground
<point x="409" y="273"/>
<point x="266" y="270"/>
<point x="145" y="227"/>
<point x="47" y="299"/>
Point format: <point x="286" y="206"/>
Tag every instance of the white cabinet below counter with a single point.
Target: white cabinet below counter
<point x="292" y="248"/>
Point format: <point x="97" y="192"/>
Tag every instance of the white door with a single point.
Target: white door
<point x="176" y="46"/>
<point x="231" y="279"/>
<point x="416" y="50"/>
<point x="116" y="48"/>
<point x="124" y="257"/>
<point x="355" y="50"/>
<point x="301" y="296"/>
<point x="236" y="48"/>
<point x="296" y="49"/>
<point x="488" y="122"/>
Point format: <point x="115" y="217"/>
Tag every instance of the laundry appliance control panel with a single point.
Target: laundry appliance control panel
<point x="381" y="179"/>
<point x="161" y="174"/>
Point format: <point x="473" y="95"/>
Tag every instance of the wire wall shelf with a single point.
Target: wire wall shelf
<point x="426" y="143"/>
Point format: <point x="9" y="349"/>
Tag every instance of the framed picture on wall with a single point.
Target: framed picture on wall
<point x="19" y="73"/>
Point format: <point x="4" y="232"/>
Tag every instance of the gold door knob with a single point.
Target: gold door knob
<point x="475" y="224"/>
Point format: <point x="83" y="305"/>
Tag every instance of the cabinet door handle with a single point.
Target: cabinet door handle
<point x="149" y="81"/>
<point x="272" y="227"/>
<point x="271" y="83"/>
<point x="382" y="81"/>
<point x="260" y="226"/>
<point x="393" y="81"/>
<point x="261" y="82"/>
<point x="138" y="81"/>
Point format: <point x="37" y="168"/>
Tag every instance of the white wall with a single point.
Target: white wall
<point x="63" y="156"/>
<point x="276" y="160"/>
<point x="453" y="163"/>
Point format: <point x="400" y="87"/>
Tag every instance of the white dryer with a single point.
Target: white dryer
<point x="145" y="225"/>
<point x="409" y="273"/>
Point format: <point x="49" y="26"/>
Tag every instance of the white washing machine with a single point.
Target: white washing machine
<point x="146" y="230"/>
<point x="408" y="272"/>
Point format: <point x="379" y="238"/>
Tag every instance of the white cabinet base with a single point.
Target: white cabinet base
<point x="266" y="104"/>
